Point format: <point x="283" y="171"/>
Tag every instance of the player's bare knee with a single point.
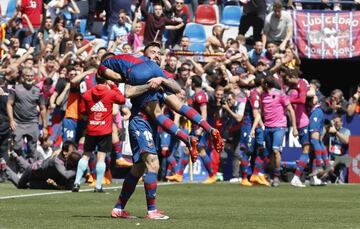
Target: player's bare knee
<point x="306" y="148"/>
<point x="152" y="163"/>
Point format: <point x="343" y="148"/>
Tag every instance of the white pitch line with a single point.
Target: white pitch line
<point x="64" y="192"/>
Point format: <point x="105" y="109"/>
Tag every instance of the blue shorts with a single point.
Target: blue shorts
<point x="143" y="138"/>
<point x="274" y="138"/>
<point x="72" y="129"/>
<point x="316" y="121"/>
<point x="304" y="136"/>
<point x="165" y="139"/>
<point x="248" y="143"/>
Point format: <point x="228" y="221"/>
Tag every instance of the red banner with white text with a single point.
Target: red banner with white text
<point x="354" y="153"/>
<point x="327" y="35"/>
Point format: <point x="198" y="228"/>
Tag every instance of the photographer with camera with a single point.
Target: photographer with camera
<point x="233" y="112"/>
<point x="337" y="141"/>
<point x="354" y="103"/>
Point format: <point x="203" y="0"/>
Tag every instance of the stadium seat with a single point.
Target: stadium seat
<point x="11" y="8"/>
<point x="206" y="15"/>
<point x="195" y="32"/>
<point x="231" y="15"/>
<point x="83" y="7"/>
<point x="197" y="47"/>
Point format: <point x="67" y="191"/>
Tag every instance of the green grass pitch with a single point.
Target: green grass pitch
<point x="222" y="205"/>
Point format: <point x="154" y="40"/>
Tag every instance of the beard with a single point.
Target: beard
<point x="28" y="85"/>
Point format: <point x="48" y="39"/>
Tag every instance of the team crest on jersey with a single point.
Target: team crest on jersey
<point x="315" y="119"/>
<point x="98" y="107"/>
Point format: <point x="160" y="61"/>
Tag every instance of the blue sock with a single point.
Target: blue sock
<point x="150" y="184"/>
<point x="127" y="190"/>
<point x="82" y="166"/>
<point x="244" y="164"/>
<point x="207" y="162"/>
<point x="100" y="172"/>
<point x="303" y="161"/>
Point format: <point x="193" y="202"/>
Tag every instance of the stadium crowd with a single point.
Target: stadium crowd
<point x="250" y="89"/>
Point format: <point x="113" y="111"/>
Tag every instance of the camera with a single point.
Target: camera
<point x="223" y="101"/>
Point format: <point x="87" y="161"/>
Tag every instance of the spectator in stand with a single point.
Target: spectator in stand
<point x="278" y="27"/>
<point x="337" y="140"/>
<point x="59" y="31"/>
<point x="14" y="48"/>
<point x="120" y="32"/>
<point x="271" y="50"/>
<point x="254" y="13"/>
<point x="23" y="115"/>
<point x="157" y="22"/>
<point x="176" y="11"/>
<point x="290" y="59"/>
<point x="46" y="28"/>
<point x="171" y="66"/>
<point x="49" y="68"/>
<point x="112" y="10"/>
<point x="57" y="8"/>
<point x="354" y="103"/>
<point x="184" y="43"/>
<point x="336" y="103"/>
<point x="183" y="76"/>
<point x="215" y="42"/>
<point x="256" y="53"/>
<point x="33" y="10"/>
<point x="135" y="39"/>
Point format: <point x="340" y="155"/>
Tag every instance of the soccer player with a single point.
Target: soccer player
<point x="139" y="71"/>
<point x="98" y="103"/>
<point x="297" y="94"/>
<point x="200" y="101"/>
<point x="142" y="131"/>
<point x="274" y="106"/>
<point x="252" y="137"/>
<point x="316" y="127"/>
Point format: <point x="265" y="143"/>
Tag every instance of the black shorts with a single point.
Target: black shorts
<point x="102" y="142"/>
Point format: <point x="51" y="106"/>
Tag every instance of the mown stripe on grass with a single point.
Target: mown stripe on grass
<point x="64" y="192"/>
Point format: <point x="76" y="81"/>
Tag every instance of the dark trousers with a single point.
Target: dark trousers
<point x="251" y="20"/>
